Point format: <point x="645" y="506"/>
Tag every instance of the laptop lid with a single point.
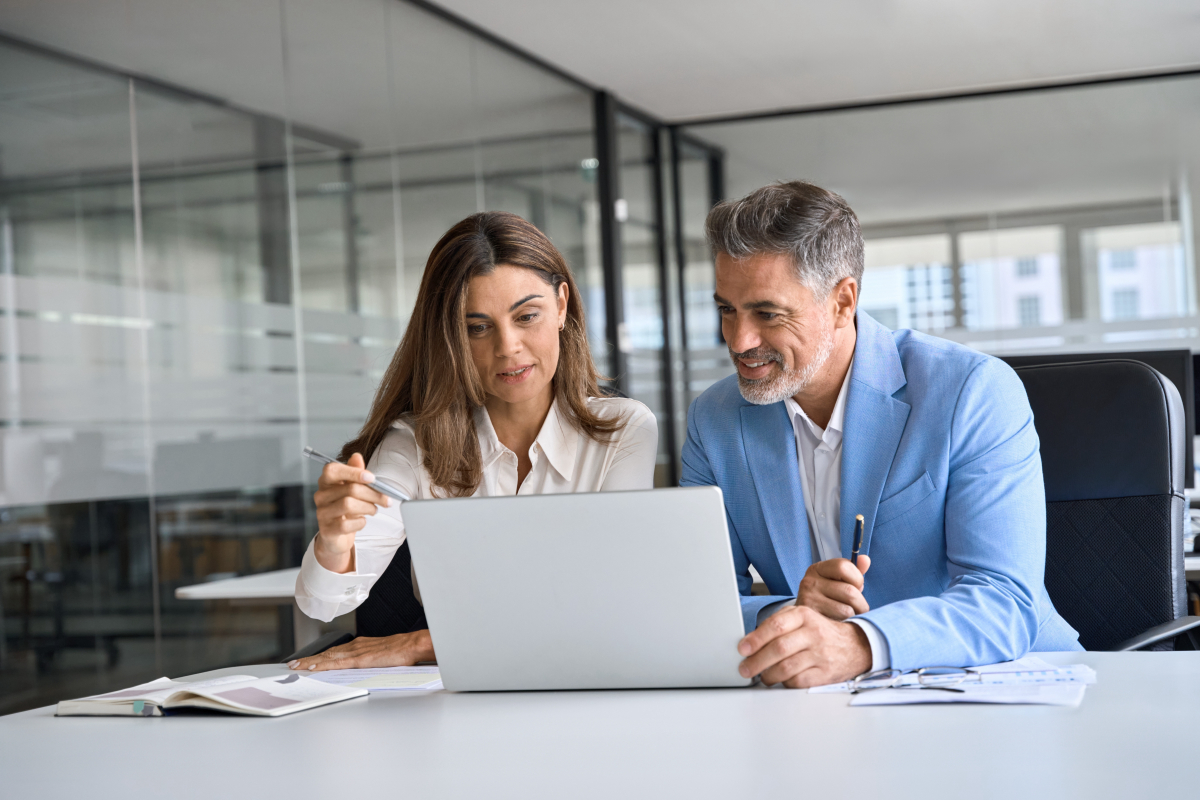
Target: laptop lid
<point x="612" y="590"/>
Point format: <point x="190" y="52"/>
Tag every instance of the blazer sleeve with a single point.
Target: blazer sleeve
<point x="698" y="471"/>
<point x="995" y="529"/>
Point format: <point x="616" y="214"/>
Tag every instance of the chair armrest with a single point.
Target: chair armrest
<point x="320" y="645"/>
<point x="1158" y="633"/>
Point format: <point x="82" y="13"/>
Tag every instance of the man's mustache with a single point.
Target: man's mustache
<point x="757" y="354"/>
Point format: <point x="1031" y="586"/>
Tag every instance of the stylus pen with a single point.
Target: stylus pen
<point x="378" y="486"/>
<point x="858" y="531"/>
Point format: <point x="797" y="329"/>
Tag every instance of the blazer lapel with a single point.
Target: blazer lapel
<point x="770" y="445"/>
<point x="874" y="424"/>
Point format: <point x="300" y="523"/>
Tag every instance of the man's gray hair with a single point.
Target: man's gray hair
<point x="814" y="226"/>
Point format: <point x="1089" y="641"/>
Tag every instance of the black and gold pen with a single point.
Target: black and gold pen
<point x="858" y="534"/>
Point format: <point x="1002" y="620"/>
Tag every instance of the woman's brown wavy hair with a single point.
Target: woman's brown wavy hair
<point x="432" y="379"/>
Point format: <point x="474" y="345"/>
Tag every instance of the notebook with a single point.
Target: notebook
<point x="233" y="694"/>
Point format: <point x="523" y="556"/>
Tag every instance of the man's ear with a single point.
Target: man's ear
<point x="845" y="297"/>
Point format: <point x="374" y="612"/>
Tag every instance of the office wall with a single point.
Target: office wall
<point x="193" y="289"/>
<point x="1023" y="222"/>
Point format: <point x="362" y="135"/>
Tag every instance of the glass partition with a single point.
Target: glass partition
<point x="193" y="290"/>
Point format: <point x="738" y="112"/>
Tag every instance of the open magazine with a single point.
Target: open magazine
<point x="235" y="694"/>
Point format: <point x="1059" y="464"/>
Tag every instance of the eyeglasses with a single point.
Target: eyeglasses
<point x="946" y="679"/>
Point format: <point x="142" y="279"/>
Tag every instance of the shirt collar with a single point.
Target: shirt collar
<point x="837" y="420"/>
<point x="557" y="440"/>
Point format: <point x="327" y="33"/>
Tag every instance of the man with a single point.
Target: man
<point x="832" y="415"/>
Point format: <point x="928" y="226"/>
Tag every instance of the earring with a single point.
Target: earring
<point x="562" y="326"/>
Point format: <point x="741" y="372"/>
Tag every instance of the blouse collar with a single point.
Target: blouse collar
<point x="558" y="440"/>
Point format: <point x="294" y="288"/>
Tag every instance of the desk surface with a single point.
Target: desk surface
<point x="1134" y="736"/>
<point x="277" y="585"/>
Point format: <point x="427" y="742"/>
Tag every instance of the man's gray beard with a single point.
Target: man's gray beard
<point x="787" y="382"/>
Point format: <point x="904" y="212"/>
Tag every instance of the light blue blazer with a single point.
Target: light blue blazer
<point x="940" y="456"/>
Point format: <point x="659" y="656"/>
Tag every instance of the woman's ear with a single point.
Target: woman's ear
<point x="564" y="294"/>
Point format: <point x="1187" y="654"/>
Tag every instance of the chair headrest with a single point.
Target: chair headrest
<point x="1109" y="428"/>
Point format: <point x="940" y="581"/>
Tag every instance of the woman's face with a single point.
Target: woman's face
<point x="513" y="317"/>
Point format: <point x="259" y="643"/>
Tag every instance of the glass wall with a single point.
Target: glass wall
<point x="193" y="289"/>
<point x="1052" y="220"/>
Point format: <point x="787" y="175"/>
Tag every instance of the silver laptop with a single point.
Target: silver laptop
<point x="615" y="590"/>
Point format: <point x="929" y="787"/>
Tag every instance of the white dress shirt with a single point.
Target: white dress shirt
<point x="819" y="454"/>
<point x="564" y="461"/>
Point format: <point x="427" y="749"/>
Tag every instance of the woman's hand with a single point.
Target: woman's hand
<point x="344" y="502"/>
<point x="401" y="650"/>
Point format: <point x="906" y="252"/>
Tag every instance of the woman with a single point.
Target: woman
<point x="491" y="392"/>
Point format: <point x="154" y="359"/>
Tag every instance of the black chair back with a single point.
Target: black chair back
<point x="1112" y="444"/>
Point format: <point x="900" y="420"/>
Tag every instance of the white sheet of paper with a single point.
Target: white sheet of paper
<point x="384" y="679"/>
<point x="269" y="693"/>
<point x="157" y="691"/>
<point x="1058" y="694"/>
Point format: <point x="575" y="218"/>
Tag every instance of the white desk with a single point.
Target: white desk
<point x="1191" y="565"/>
<point x="276" y="588"/>
<point x="1134" y="736"/>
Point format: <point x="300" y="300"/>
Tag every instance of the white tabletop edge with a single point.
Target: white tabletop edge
<point x="280" y="584"/>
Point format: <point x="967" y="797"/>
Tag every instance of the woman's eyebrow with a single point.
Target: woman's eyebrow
<point x="523" y="301"/>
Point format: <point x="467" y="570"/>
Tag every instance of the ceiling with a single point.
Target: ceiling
<point x="677" y="59"/>
<point x="1094" y="146"/>
<point x="683" y="59"/>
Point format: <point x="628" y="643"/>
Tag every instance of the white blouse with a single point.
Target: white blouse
<point x="564" y="461"/>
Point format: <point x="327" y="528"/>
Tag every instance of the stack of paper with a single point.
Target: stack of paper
<point x="1026" y="681"/>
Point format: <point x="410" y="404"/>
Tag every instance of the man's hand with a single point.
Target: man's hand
<point x="401" y="650"/>
<point x="799" y="647"/>
<point x="834" y="588"/>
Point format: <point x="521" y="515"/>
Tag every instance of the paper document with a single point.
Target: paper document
<point x="384" y="679"/>
<point x="159" y="690"/>
<point x="1028" y="680"/>
<point x="1059" y="694"/>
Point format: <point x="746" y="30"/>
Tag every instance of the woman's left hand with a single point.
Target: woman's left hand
<point x="401" y="650"/>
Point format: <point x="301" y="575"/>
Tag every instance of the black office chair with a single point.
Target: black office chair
<point x="390" y="608"/>
<point x="1112" y="442"/>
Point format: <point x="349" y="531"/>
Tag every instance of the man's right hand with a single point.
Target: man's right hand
<point x="834" y="588"/>
<point x="344" y="502"/>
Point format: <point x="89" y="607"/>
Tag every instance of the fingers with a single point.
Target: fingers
<point x="335" y="473"/>
<point x="840" y="569"/>
<point x="834" y="599"/>
<point x="787" y="633"/>
<point x="864" y="563"/>
<point x="341" y="507"/>
<point x="354" y="498"/>
<point x="401" y="650"/>
<point x="354" y="473"/>
<point x="791" y="671"/>
<point x="819" y="651"/>
<point x="346" y="656"/>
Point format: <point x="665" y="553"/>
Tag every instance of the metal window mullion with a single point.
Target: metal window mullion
<point x="608" y="191"/>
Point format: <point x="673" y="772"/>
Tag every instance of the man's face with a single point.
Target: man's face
<point x="778" y="336"/>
